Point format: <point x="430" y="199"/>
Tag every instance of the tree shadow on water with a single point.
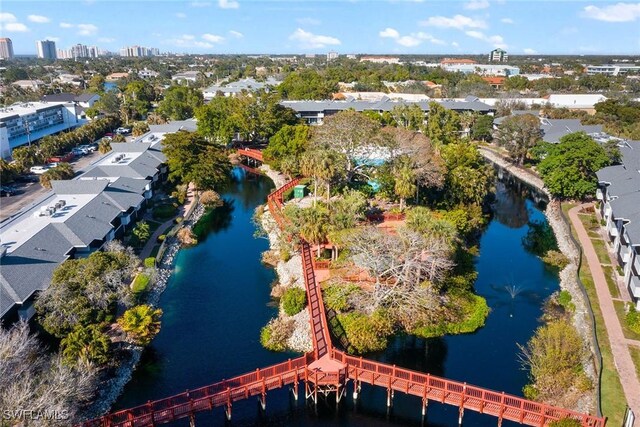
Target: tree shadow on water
<point x="214" y="220"/>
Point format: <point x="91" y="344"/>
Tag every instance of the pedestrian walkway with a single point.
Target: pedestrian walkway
<point x="619" y="344"/>
<point x="151" y="243"/>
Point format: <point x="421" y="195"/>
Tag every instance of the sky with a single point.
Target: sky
<point x="343" y="26"/>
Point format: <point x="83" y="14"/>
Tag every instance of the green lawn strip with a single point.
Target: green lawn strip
<point x="628" y="333"/>
<point x="613" y="407"/>
<point x="635" y="356"/>
<point x="154" y="251"/>
<point x="140" y="283"/>
<point x="611" y="277"/>
<point x="598" y="244"/>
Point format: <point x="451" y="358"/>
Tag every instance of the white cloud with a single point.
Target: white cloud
<point x="66" y="25"/>
<point x="38" y="19"/>
<point x="308" y="40"/>
<point x="236" y="34"/>
<point x="188" y="40"/>
<point x="530" y="51"/>
<point x="389" y="33"/>
<point x="507" y="21"/>
<point x="308" y="21"/>
<point x="106" y="39"/>
<point x="496" y="40"/>
<point x="53" y="39"/>
<point x="200" y="4"/>
<point x="188" y="37"/>
<point x="14" y="27"/>
<point x="455" y="44"/>
<point x="7" y="17"/>
<point x="476" y="4"/>
<point x="228" y="4"/>
<point x="619" y="12"/>
<point x="213" y="38"/>
<point x="411" y="40"/>
<point x="459" y="22"/>
<point x="87" y="29"/>
<point x="181" y="15"/>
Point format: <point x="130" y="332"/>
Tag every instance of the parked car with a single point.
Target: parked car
<point x="89" y="148"/>
<point x="26" y="178"/>
<point x="64" y="158"/>
<point x="123" y="131"/>
<point x="77" y="151"/>
<point x="93" y="146"/>
<point x="7" y="191"/>
<point x="38" y="170"/>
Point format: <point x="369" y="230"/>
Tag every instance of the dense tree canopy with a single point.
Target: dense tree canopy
<point x="180" y="102"/>
<point x="518" y="134"/>
<point x="443" y="126"/>
<point x="569" y="167"/>
<point x="288" y="143"/>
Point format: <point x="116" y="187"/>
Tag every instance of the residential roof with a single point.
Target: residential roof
<point x="61" y="187"/>
<point x="382" y="105"/>
<point x="554" y="129"/>
<point x="175" y="126"/>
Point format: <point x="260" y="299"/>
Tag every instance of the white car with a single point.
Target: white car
<point x="38" y="170"/>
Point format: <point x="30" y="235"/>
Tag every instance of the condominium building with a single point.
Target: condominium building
<point x="6" y="48"/>
<point x="612" y="70"/>
<point x="46" y="49"/>
<point x="332" y="55"/>
<point x="482" y="69"/>
<point x="138" y="51"/>
<point x="619" y="194"/>
<point x="498" y="55"/>
<point x="22" y="124"/>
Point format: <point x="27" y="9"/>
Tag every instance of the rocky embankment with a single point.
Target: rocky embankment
<point x="568" y="275"/>
<point x="289" y="273"/>
<point x="111" y="389"/>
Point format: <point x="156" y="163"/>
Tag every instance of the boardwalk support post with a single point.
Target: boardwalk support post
<point x="461" y="414"/>
<point x="227" y="409"/>
<point x="356" y="389"/>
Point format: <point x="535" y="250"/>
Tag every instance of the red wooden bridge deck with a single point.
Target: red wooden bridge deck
<point x="328" y="370"/>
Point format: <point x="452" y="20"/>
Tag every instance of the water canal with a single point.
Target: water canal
<point x="218" y="299"/>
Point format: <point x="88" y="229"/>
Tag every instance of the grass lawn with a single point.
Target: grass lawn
<point x="154" y="251"/>
<point x="635" y="356"/>
<point x="628" y="333"/>
<point x="598" y="244"/>
<point x="610" y="388"/>
<point x="611" y="276"/>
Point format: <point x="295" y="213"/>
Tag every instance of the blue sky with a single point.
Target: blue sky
<point x="356" y="26"/>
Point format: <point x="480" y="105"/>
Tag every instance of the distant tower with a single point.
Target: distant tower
<point x="6" y="48"/>
<point x="46" y="49"/>
<point x="498" y="55"/>
<point x="332" y="55"/>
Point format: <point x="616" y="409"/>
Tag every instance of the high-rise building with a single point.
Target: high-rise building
<point x="137" y="51"/>
<point x="332" y="55"/>
<point x="498" y="55"/>
<point x="6" y="48"/>
<point x="46" y="49"/>
<point x="83" y="51"/>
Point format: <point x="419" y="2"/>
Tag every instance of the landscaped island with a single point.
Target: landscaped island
<point x="386" y="265"/>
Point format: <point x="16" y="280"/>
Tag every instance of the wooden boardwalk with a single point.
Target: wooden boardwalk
<point x="327" y="370"/>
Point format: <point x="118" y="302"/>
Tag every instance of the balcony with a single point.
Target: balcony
<point x="636" y="264"/>
<point x="634" y="286"/>
<point x="599" y="194"/>
<point x="624" y="253"/>
<point x="612" y="229"/>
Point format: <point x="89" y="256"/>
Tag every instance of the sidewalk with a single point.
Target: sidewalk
<point x="151" y="243"/>
<point x="619" y="344"/>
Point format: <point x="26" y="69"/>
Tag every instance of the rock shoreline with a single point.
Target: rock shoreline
<point x="111" y="389"/>
<point x="568" y="276"/>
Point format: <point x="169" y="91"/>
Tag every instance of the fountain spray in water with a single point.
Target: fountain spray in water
<point x="513" y="290"/>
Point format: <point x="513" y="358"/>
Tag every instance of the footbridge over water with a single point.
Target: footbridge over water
<point x="327" y="371"/>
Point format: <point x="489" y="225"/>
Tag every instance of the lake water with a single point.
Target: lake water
<point x="218" y="299"/>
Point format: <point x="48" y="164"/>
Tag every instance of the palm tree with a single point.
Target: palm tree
<point x="315" y="225"/>
<point x="405" y="180"/>
<point x="141" y="323"/>
<point x="85" y="344"/>
<point x="104" y="146"/>
<point x="321" y="165"/>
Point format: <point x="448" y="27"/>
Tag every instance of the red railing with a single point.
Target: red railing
<point x="251" y="152"/>
<point x="386" y="216"/>
<point x="462" y="395"/>
<point x="206" y="398"/>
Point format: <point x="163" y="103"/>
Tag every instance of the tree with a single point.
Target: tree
<point x="180" y="102"/>
<point x="408" y="116"/>
<point x="60" y="172"/>
<point x="141" y="323"/>
<point x="109" y="103"/>
<point x="482" y="128"/>
<point x="85" y="344"/>
<point x="307" y="84"/>
<point x="416" y="149"/>
<point x="569" y="168"/>
<point x="321" y="164"/>
<point x="354" y="138"/>
<point x="140" y="128"/>
<point x="518" y="134"/>
<point x="104" y="146"/>
<point x="443" y="126"/>
<point x="315" y="225"/>
<point x="293" y="301"/>
<point x="405" y="179"/>
<point x="7" y="171"/>
<point x="96" y="84"/>
<point x="288" y="142"/>
<point x="26" y="156"/>
<point x="516" y="83"/>
<point x="214" y="120"/>
<point x="468" y="178"/>
<point x="142" y="231"/>
<point x="191" y="158"/>
<point x="92" y="112"/>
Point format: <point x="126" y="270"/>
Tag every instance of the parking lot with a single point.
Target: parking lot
<point x="33" y="191"/>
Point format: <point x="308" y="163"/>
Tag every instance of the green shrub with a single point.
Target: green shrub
<point x="367" y="333"/>
<point x="336" y="297"/>
<point x="178" y="220"/>
<point x="633" y="320"/>
<point x="164" y="212"/>
<point x="293" y="301"/>
<point x="556" y="259"/>
<point x="141" y="282"/>
<point x="473" y="311"/>
<point x="161" y="238"/>
<point x="565" y="422"/>
<point x="274" y="336"/>
<point x="150" y="262"/>
<point x="564" y="299"/>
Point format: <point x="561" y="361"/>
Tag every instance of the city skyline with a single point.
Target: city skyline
<point x="391" y="27"/>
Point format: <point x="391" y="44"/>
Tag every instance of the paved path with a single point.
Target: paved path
<point x="619" y="348"/>
<point x="151" y="243"/>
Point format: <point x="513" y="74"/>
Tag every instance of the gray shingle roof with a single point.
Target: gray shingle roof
<point x="383" y="105"/>
<point x="93" y="221"/>
<point x="175" y="126"/>
<point x="129" y="184"/>
<point x="554" y="129"/>
<point x="79" y="186"/>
